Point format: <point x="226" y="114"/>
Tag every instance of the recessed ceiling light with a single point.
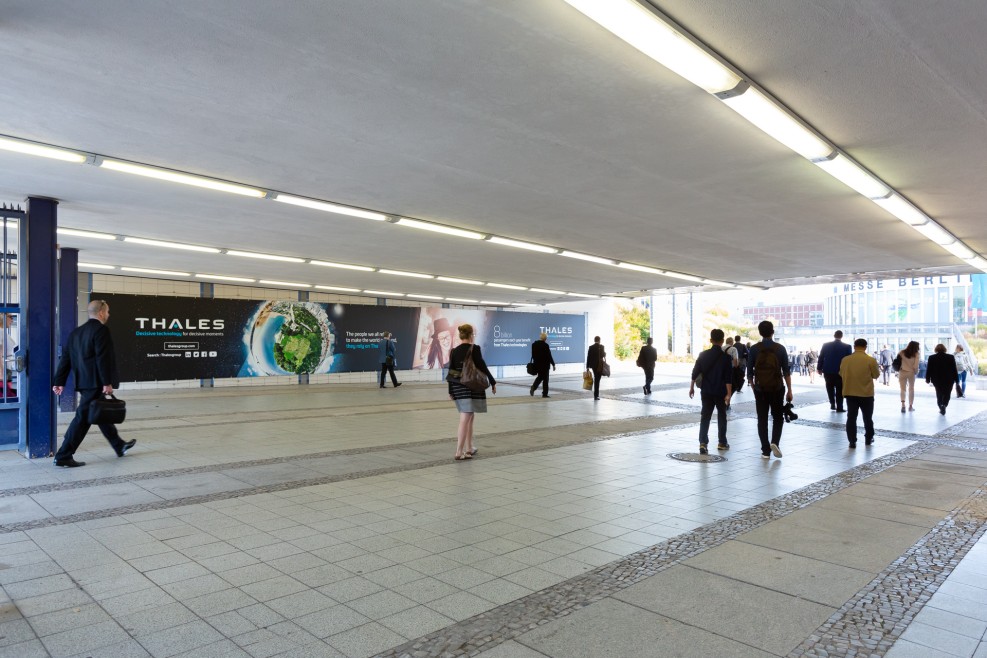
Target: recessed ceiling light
<point x="432" y="297"/>
<point x="579" y="294"/>
<point x="329" y="207"/>
<point x="530" y="246"/>
<point x="86" y="234"/>
<point x="171" y="245"/>
<point x="290" y="284"/>
<point x="452" y="279"/>
<point x="182" y="178"/>
<point x="219" y="277"/>
<point x="495" y="303"/>
<point x="438" y="228"/>
<point x="342" y="266"/>
<point x="547" y="291"/>
<point x="411" y="274"/>
<point x="251" y="254"/>
<point x="338" y="288"/>
<point x="506" y="286"/>
<point x="461" y="300"/>
<point x="97" y="266"/>
<point x="149" y="271"/>
<point x="384" y="293"/>
<point x="641" y="268"/>
<point x="592" y="259"/>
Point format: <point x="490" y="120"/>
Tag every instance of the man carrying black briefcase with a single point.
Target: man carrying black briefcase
<point x="89" y="354"/>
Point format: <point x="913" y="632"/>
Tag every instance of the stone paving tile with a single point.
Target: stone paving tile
<point x="84" y="639"/>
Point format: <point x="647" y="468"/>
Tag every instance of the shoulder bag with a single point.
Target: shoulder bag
<point x="602" y="364"/>
<point x="471" y="377"/>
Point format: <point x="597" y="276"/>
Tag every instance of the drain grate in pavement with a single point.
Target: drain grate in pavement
<point x="695" y="457"/>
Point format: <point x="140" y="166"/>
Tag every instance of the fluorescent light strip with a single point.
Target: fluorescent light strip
<point x="86" y="234"/>
<point x="547" y="291"/>
<point x="329" y="207"/>
<point x="178" y="177"/>
<point x="220" y="277"/>
<point x="338" y="288"/>
<point x="171" y="245"/>
<point x="506" y="286"/>
<point x="525" y="304"/>
<point x="461" y="300"/>
<point x="530" y="246"/>
<point x="959" y="250"/>
<point x="854" y="176"/>
<point x="451" y="279"/>
<point x="592" y="259"/>
<point x="641" y="268"/>
<point x="438" y="228"/>
<point x="433" y="297"/>
<point x="342" y="266"/>
<point x="149" y="271"/>
<point x="384" y="293"/>
<point x="97" y="266"/>
<point x="251" y="254"/>
<point x="411" y="274"/>
<point x="903" y="210"/>
<point x="978" y="262"/>
<point x="684" y="277"/>
<point x="289" y="284"/>
<point x="579" y="294"/>
<point x="33" y="148"/>
<point x="660" y="41"/>
<point x="936" y="233"/>
<point x="767" y="115"/>
<point x="496" y="303"/>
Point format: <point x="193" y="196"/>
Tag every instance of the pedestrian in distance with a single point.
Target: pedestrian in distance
<point x="811" y="358"/>
<point x="740" y="372"/>
<point x="769" y="375"/>
<point x="468" y="401"/>
<point x="89" y="354"/>
<point x="541" y="355"/>
<point x="646" y="360"/>
<point x="884" y="360"/>
<point x="941" y="372"/>
<point x="830" y="356"/>
<point x="907" y="373"/>
<point x="596" y="360"/>
<point x="962" y="368"/>
<point x="858" y="372"/>
<point x="731" y="350"/>
<point x="714" y="370"/>
<point x="388" y="360"/>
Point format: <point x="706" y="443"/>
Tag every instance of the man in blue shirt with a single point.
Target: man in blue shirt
<point x="716" y="368"/>
<point x="387" y="360"/>
<point x="769" y="374"/>
<point x="830" y="356"/>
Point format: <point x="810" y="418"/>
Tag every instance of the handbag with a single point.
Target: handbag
<point x="896" y="364"/>
<point x="532" y="368"/>
<point x="602" y="365"/>
<point x="107" y="409"/>
<point x="588" y="381"/>
<point x="471" y="377"/>
<point x="638" y="363"/>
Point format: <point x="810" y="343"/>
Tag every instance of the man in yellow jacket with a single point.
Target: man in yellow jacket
<point x="858" y="371"/>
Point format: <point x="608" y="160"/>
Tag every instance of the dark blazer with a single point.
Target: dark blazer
<point x="594" y="355"/>
<point x="831" y="355"/>
<point x="941" y="370"/>
<point x="541" y="354"/>
<point x="648" y="356"/>
<point x="89" y="354"/>
<point x="458" y="357"/>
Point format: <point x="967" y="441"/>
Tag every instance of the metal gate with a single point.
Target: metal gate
<point x="10" y="316"/>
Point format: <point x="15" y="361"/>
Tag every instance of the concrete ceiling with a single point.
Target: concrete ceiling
<point x="519" y="118"/>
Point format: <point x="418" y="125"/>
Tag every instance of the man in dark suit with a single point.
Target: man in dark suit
<point x="89" y="354"/>
<point x="596" y="357"/>
<point x="646" y="359"/>
<point x="541" y="354"/>
<point x="828" y="365"/>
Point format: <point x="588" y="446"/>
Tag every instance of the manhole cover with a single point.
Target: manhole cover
<point x="695" y="457"/>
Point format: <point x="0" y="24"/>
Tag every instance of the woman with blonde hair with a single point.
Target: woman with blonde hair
<point x="468" y="401"/>
<point x="907" y="373"/>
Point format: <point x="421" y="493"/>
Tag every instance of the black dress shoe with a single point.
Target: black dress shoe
<point x="68" y="463"/>
<point x="546" y="396"/>
<point x="126" y="446"/>
<point x="398" y="384"/>
<point x="853" y="445"/>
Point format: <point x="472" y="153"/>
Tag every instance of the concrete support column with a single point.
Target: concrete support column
<point x="68" y="312"/>
<point x="661" y="322"/>
<point x="697" y="312"/>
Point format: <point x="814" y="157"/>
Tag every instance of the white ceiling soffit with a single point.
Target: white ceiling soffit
<point x="520" y="119"/>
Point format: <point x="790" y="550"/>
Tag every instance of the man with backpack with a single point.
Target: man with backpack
<point x="830" y="356"/>
<point x="713" y="369"/>
<point x="769" y="375"/>
<point x="739" y="373"/>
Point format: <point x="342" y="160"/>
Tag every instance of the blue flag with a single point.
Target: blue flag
<point x="978" y="297"/>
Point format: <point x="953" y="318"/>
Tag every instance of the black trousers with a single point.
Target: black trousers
<point x="769" y="402"/>
<point x="943" y="393"/>
<point x="834" y="389"/>
<point x="541" y="378"/>
<point x="738" y="379"/>
<point x="387" y="368"/>
<point x="649" y="376"/>
<point x="597" y="376"/>
<point x="866" y="408"/>
<point x="80" y="425"/>
<point x="711" y="402"/>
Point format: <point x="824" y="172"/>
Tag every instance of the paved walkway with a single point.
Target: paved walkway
<point x="332" y="521"/>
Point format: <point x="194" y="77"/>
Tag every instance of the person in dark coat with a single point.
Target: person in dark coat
<point x="646" y="360"/>
<point x="89" y="354"/>
<point x="828" y="365"/>
<point x="941" y="373"/>
<point x="596" y="357"/>
<point x="715" y="367"/>
<point x="468" y="401"/>
<point x="541" y="354"/>
<point x="387" y="360"/>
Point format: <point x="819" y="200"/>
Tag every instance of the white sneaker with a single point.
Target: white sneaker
<point x="775" y="450"/>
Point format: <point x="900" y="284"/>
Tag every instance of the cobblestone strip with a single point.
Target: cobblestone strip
<point x="488" y="629"/>
<point x="871" y="622"/>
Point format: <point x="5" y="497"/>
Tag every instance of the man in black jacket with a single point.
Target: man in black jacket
<point x="716" y="368"/>
<point x="646" y="360"/>
<point x="89" y="354"/>
<point x="541" y="354"/>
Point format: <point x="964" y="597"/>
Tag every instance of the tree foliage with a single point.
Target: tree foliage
<point x="631" y="327"/>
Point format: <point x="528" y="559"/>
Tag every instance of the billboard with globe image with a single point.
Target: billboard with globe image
<point x="166" y="338"/>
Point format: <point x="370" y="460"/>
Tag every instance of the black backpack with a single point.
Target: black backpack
<point x="767" y="369"/>
<point x="741" y="353"/>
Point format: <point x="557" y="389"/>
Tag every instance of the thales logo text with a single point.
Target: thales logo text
<point x="165" y="323"/>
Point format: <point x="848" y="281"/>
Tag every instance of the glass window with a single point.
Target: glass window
<point x="928" y="305"/>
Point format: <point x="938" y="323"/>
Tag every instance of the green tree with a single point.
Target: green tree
<point x="631" y="327"/>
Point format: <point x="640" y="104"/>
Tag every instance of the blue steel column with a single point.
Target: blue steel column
<point x="68" y="315"/>
<point x="38" y="310"/>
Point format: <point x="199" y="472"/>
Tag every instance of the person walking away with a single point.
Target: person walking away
<point x="810" y="363"/>
<point x="89" y="354"/>
<point x="907" y="373"/>
<point x="962" y="367"/>
<point x="739" y="373"/>
<point x="858" y="372"/>
<point x="769" y="375"/>
<point x="716" y="368"/>
<point x="646" y="359"/>
<point x="884" y="360"/>
<point x="941" y="372"/>
<point x="541" y="354"/>
<point x="387" y="360"/>
<point x="830" y="356"/>
<point x="468" y="401"/>
<point x="595" y="360"/>
<point x="731" y="350"/>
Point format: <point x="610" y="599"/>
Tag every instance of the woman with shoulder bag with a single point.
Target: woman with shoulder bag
<point x="469" y="401"/>
<point x="906" y="375"/>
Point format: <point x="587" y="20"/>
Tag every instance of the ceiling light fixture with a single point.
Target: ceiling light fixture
<point x="979" y="262"/>
<point x="338" y="288"/>
<point x="329" y="207"/>
<point x="41" y="150"/>
<point x="438" y="228"/>
<point x="171" y="245"/>
<point x="461" y="300"/>
<point x="959" y="250"/>
<point x="592" y="259"/>
<point x="149" y="271"/>
<point x="342" y="266"/>
<point x="452" y="279"/>
<point x="384" y="293"/>
<point x="411" y="274"/>
<point x="288" y="284"/>
<point x="767" y="115"/>
<point x="252" y="254"/>
<point x="97" y="266"/>
<point x="903" y="210"/>
<point x="936" y="233"/>
<point x="220" y="277"/>
<point x="579" y="294"/>
<point x="854" y="176"/>
<point x="660" y="40"/>
<point x="548" y="291"/>
<point x="495" y="303"/>
<point x="178" y="177"/>
<point x="685" y="277"/>
<point x="433" y="297"/>
<point x="530" y="246"/>
<point x="86" y="234"/>
<point x="506" y="286"/>
<point x="641" y="268"/>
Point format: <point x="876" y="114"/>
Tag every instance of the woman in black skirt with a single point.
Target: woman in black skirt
<point x="468" y="401"/>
